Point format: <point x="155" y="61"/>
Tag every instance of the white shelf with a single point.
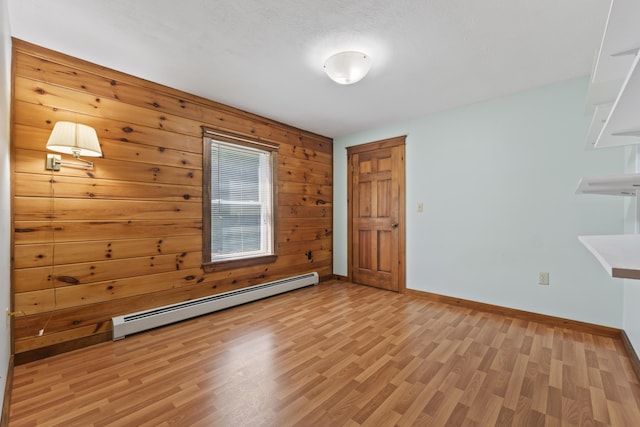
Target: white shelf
<point x="618" y="254"/>
<point x="618" y="185"/>
<point x="600" y="114"/>
<point x="604" y="93"/>
<point x="614" y="101"/>
<point x="615" y="56"/>
<point x="615" y="79"/>
<point x="623" y="124"/>
<point x="621" y="38"/>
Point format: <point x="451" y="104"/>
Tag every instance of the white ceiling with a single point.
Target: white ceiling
<point x="266" y="56"/>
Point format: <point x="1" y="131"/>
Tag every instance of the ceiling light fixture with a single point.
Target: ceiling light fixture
<point x="347" y="68"/>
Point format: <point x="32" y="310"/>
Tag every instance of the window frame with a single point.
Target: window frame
<point x="208" y="264"/>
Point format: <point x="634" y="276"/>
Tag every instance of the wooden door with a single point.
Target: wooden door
<point x="376" y="214"/>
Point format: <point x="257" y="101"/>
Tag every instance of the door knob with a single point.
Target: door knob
<point x="394" y="225"/>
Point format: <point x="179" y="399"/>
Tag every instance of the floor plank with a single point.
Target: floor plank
<point x="336" y="354"/>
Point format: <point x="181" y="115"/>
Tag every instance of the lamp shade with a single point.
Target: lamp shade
<point x="74" y="138"/>
<point x="347" y="67"/>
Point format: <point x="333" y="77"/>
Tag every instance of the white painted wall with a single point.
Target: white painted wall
<point x="631" y="313"/>
<point x="631" y="323"/>
<point x="497" y="180"/>
<point x="5" y="193"/>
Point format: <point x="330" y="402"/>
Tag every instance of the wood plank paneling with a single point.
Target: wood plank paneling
<point x="286" y="248"/>
<point x="126" y="235"/>
<point x="36" y="208"/>
<point x="23" y="345"/>
<point x="37" y="117"/>
<point x="135" y="93"/>
<point x="81" y="290"/>
<point x="78" y="295"/>
<point x="27" y="232"/>
<point x="28" y="160"/>
<point x="303" y="234"/>
<point x="31" y="279"/>
<point x="44" y="185"/>
<point x="82" y="103"/>
<point x="295" y="224"/>
<point x="296" y="199"/>
<point x="192" y="106"/>
<point x="27" y="325"/>
<point x="304" y="188"/>
<point x="305" y="166"/>
<point x="36" y="255"/>
<point x="321" y="211"/>
<point x="295" y="175"/>
<point x="34" y="138"/>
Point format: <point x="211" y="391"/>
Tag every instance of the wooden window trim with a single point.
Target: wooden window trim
<point x="211" y="267"/>
<point x="239" y="140"/>
<point x="208" y="265"/>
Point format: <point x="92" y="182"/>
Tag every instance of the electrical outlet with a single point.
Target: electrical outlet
<point x="543" y="278"/>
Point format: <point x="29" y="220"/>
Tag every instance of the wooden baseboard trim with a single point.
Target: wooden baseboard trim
<point x="8" y="387"/>
<point x="63" y="347"/>
<point x="520" y="314"/>
<point x="631" y="353"/>
<point x="341" y="278"/>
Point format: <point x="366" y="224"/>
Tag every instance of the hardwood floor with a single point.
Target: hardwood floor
<point x="331" y="355"/>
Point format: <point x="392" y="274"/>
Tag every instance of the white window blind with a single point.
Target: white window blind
<point x="241" y="201"/>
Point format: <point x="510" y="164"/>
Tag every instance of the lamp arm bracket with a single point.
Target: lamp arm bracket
<point x="54" y="161"/>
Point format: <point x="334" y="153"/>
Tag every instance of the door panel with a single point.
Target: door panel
<point x="385" y="246"/>
<point x="364" y="204"/>
<point x="384" y="198"/>
<point x="376" y="207"/>
<point x="365" y="256"/>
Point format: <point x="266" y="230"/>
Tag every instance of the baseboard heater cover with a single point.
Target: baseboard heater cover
<point x="153" y="318"/>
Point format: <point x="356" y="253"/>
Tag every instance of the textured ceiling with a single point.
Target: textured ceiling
<point x="266" y="56"/>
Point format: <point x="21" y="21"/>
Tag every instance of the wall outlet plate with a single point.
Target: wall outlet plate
<point x="543" y="278"/>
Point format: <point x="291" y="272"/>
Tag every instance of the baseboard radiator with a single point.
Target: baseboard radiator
<point x="148" y="319"/>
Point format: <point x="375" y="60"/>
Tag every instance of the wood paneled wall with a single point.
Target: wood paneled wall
<point x="126" y="235"/>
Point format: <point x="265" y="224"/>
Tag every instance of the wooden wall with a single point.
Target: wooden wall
<point x="126" y="236"/>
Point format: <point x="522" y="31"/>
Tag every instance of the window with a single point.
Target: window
<point x="238" y="216"/>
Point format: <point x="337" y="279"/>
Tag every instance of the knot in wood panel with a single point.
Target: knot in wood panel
<point x="68" y="279"/>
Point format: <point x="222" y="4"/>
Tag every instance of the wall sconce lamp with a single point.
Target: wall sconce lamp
<point x="347" y="68"/>
<point x="75" y="139"/>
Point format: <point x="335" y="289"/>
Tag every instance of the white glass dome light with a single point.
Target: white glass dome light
<point x="347" y="68"/>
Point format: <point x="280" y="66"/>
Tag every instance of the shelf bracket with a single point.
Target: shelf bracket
<point x="637" y="217"/>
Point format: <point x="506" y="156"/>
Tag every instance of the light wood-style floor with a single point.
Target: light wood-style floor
<point x="331" y="355"/>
